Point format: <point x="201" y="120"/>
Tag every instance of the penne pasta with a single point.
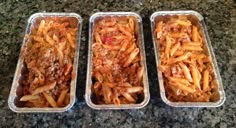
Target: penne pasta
<point x="55" y="38"/>
<point x="194" y="33"/>
<point x="38" y="38"/>
<point x="70" y="40"/>
<point x="131" y="24"/>
<point x="136" y="60"/>
<point x="186" y="72"/>
<point x="50" y="100"/>
<point x="29" y="97"/>
<point x="126" y="84"/>
<point x="183" y="87"/>
<point x="116" y="100"/>
<point x="47" y="87"/>
<point x="134" y="89"/>
<point x="128" y="97"/>
<point x="98" y="76"/>
<point x="205" y="80"/>
<point x="140" y="73"/>
<point x="178" y="53"/>
<point x="68" y="68"/>
<point x="62" y="97"/>
<point x="201" y="65"/>
<point x="198" y="56"/>
<point x="195" y="75"/>
<point x="41" y="27"/>
<point x="192" y="48"/>
<point x="174" y="49"/>
<point x="192" y="44"/>
<point x="177" y="35"/>
<point x="107" y="93"/>
<point x="180" y="58"/>
<point x="97" y="38"/>
<point x="130" y="49"/>
<point x="49" y="40"/>
<point x="109" y="77"/>
<point x="124" y="46"/>
<point x="67" y="99"/>
<point x="124" y="31"/>
<point x="132" y="55"/>
<point x="60" y="47"/>
<point x="168" y="45"/>
<point x="179" y="80"/>
<point x="159" y="29"/>
<point x="97" y="85"/>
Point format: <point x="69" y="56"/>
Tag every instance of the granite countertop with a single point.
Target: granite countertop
<point x="220" y="18"/>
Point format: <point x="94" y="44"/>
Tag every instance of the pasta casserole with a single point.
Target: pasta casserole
<point x="117" y="71"/>
<point x="185" y="63"/>
<point x="48" y="58"/>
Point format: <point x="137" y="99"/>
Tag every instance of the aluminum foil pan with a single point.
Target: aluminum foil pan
<point x="195" y="17"/>
<point x="139" y="36"/>
<point x="16" y="90"/>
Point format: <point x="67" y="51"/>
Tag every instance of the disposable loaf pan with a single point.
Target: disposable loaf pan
<point x="198" y="20"/>
<point x="140" y="42"/>
<point x="17" y="89"/>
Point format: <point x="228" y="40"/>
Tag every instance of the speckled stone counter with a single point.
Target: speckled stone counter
<point x="220" y="18"/>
